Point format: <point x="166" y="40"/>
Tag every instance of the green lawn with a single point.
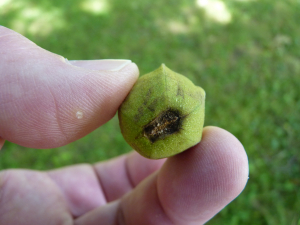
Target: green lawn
<point x="246" y="56"/>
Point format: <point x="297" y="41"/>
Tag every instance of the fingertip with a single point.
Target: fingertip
<point x="205" y="178"/>
<point x="226" y="145"/>
<point x="133" y="69"/>
<point x="230" y="155"/>
<point x="129" y="73"/>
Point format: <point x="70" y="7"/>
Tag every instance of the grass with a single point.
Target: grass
<point x="247" y="59"/>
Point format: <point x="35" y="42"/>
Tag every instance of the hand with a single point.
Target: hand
<point x="47" y="101"/>
<point x="40" y="94"/>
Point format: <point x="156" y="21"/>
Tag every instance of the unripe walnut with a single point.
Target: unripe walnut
<point x="163" y="114"/>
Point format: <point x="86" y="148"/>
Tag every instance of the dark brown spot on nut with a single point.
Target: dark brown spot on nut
<point x="180" y="92"/>
<point x="139" y="114"/>
<point x="152" y="105"/>
<point x="165" y="124"/>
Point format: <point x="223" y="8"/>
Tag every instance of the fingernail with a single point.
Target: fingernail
<point x="98" y="64"/>
<point x="120" y="64"/>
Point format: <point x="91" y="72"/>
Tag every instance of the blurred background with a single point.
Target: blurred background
<point x="244" y="53"/>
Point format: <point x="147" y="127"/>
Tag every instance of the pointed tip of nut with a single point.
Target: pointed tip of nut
<point x="163" y="68"/>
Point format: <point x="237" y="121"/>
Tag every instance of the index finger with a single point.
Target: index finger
<point x="190" y="188"/>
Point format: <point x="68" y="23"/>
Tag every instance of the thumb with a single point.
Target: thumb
<point x="47" y="101"/>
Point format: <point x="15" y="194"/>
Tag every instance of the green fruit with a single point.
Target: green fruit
<point x="163" y="114"/>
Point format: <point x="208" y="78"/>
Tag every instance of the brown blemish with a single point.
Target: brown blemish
<point x="166" y="123"/>
<point x="180" y="92"/>
<point x="152" y="105"/>
<point x="147" y="97"/>
<point x="139" y="114"/>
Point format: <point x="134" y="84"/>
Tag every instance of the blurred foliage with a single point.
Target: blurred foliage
<point x="244" y="53"/>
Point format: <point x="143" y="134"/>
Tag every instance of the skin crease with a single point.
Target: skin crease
<point x="189" y="188"/>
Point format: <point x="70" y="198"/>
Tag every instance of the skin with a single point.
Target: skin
<point x="189" y="188"/>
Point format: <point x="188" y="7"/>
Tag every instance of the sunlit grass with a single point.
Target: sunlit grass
<point x="37" y="21"/>
<point x="31" y="18"/>
<point x="96" y="7"/>
<point x="4" y="3"/>
<point x="215" y="10"/>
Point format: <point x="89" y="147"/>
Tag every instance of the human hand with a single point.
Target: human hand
<point x="46" y="101"/>
<point x="189" y="188"/>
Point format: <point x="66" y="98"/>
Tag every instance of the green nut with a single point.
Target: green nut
<point x="163" y="114"/>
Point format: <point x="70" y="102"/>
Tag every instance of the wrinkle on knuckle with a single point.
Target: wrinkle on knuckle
<point x="120" y="217"/>
<point x="4" y="179"/>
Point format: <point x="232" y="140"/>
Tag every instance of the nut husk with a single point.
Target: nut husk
<point x="163" y="114"/>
